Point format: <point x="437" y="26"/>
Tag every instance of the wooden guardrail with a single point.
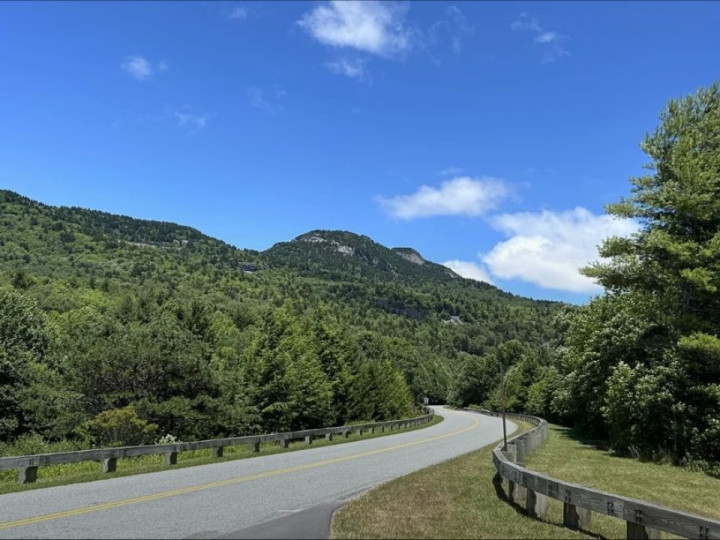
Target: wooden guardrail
<point x="532" y="489"/>
<point x="27" y="466"/>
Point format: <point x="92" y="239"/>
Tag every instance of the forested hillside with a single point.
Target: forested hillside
<point x="116" y="330"/>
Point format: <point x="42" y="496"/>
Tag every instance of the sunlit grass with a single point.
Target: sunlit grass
<point x="579" y="461"/>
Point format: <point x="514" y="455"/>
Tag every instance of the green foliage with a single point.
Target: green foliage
<point x="205" y="340"/>
<point x="642" y="363"/>
<point x="120" y="427"/>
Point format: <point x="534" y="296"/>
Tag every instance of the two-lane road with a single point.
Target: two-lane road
<point x="283" y="494"/>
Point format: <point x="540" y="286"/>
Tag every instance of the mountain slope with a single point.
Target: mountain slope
<point x="390" y="304"/>
<point x="343" y="255"/>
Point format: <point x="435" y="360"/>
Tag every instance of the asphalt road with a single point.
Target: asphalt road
<point x="289" y="495"/>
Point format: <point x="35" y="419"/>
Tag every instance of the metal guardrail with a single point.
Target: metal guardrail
<point x="27" y="466"/>
<point x="644" y="519"/>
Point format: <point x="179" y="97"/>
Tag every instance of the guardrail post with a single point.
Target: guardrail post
<point x="575" y="517"/>
<point x="636" y="531"/>
<point x="536" y="503"/>
<point x="308" y="439"/>
<point x="519" y="451"/>
<point x="109" y="465"/>
<point x="27" y="475"/>
<point x="359" y="432"/>
<point x="329" y="436"/>
<point x="255" y="446"/>
<point x="382" y="429"/>
<point x="171" y="458"/>
<point x="285" y="443"/>
<point x="346" y="433"/>
<point x="513" y="491"/>
<point x="371" y="431"/>
<point x="217" y="451"/>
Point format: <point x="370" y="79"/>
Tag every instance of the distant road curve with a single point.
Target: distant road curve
<point x="282" y="495"/>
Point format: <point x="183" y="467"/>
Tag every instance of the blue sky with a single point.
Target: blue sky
<point x="486" y="135"/>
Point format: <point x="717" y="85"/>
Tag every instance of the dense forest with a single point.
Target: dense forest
<point x="115" y="330"/>
<point x="640" y="365"/>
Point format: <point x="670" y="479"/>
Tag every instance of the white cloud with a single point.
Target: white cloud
<point x="459" y="28"/>
<point x="267" y="101"/>
<point x="350" y="67"/>
<point x="548" y="248"/>
<point x="459" y="196"/>
<point x="372" y="27"/>
<point x="468" y="270"/>
<point x="140" y="68"/>
<point x="191" y="120"/>
<point x="550" y="41"/>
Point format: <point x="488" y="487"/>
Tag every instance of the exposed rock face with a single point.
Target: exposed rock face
<point x="410" y="255"/>
<point x="345" y="250"/>
<point x="312" y="238"/>
<point x="317" y="239"/>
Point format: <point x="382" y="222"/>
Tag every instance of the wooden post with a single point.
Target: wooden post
<point x="109" y="465"/>
<point x="575" y="517"/>
<point x="285" y="443"/>
<point x="536" y="503"/>
<point x="329" y="436"/>
<point x="27" y="475"/>
<point x="359" y="432"/>
<point x="382" y="429"/>
<point x="217" y="452"/>
<point x="308" y="439"/>
<point x="502" y="404"/>
<point x="519" y="451"/>
<point x="347" y="433"/>
<point x="371" y="431"/>
<point x="636" y="531"/>
<point x="510" y="454"/>
<point x="171" y="458"/>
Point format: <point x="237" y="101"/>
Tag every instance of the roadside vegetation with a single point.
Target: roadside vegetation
<point x="574" y="458"/>
<point x="457" y="498"/>
<point x="88" y="471"/>
<point x="638" y="366"/>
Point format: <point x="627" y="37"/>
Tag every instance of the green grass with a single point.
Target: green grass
<point x="454" y="499"/>
<point x="573" y="459"/>
<point x="87" y="471"/>
<point x="457" y="498"/>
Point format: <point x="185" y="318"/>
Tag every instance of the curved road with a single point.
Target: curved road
<point x="283" y="495"/>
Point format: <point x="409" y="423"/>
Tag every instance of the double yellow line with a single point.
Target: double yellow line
<point x="221" y="483"/>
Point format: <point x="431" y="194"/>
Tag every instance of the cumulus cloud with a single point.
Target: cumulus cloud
<point x="548" y="248"/>
<point x="459" y="196"/>
<point x="549" y="40"/>
<point x="468" y="270"/>
<point x="350" y="67"/>
<point x="371" y="27"/>
<point x="140" y="68"/>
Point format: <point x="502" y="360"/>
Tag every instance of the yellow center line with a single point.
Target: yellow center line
<point x="221" y="483"/>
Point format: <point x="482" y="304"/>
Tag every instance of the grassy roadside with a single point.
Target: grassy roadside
<point x="88" y="471"/>
<point x="457" y="499"/>
<point x="454" y="499"/>
<point x="572" y="459"/>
